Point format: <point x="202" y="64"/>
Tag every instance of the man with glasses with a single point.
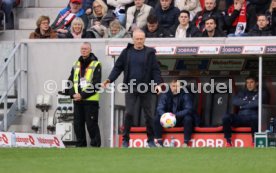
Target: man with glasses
<point x="43" y="29"/>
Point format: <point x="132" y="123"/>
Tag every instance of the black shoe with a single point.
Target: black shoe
<point x="159" y="143"/>
<point x="151" y="144"/>
<point x="125" y="144"/>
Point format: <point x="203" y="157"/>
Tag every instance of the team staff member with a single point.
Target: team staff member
<point x="247" y="101"/>
<point x="180" y="104"/>
<point x="85" y="75"/>
<point x="138" y="63"/>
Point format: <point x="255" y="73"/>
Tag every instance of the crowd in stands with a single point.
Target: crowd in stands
<point x="6" y="7"/>
<point x="160" y="18"/>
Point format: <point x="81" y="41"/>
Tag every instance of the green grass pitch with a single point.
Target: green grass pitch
<point x="169" y="160"/>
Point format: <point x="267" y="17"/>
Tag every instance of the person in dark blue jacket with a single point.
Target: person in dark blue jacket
<point x="247" y="101"/>
<point x="179" y="103"/>
<point x="167" y="13"/>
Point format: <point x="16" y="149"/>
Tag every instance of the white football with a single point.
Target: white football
<point x="168" y="120"/>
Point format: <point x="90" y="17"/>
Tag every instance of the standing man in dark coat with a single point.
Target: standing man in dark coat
<point x="140" y="68"/>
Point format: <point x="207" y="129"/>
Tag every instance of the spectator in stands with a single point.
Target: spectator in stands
<point x="77" y="30"/>
<point x="152" y="29"/>
<point x="87" y="6"/>
<point x="7" y="6"/>
<point x="247" y="102"/>
<point x="185" y="28"/>
<point x="101" y="14"/>
<point x="271" y="15"/>
<point x="137" y="15"/>
<point x="166" y="13"/>
<point x="65" y="17"/>
<point x="43" y="29"/>
<point x="97" y="29"/>
<point x="211" y="29"/>
<point x="229" y="2"/>
<point x="208" y="11"/>
<point x="140" y="68"/>
<point x="116" y="30"/>
<point x="85" y="75"/>
<point x="240" y="18"/>
<point x="119" y="4"/>
<point x="193" y="6"/>
<point x="120" y="7"/>
<point x="180" y="104"/>
<point x="262" y="28"/>
<point x="222" y="6"/>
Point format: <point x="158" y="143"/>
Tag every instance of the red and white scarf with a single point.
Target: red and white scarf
<point x="63" y="17"/>
<point x="199" y="19"/>
<point x="240" y="22"/>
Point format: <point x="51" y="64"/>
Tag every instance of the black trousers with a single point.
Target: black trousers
<point x="230" y="120"/>
<point x="147" y="104"/>
<point x="187" y="122"/>
<point x="86" y="112"/>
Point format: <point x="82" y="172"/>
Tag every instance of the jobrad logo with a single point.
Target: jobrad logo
<point x="186" y="50"/>
<point x="231" y="50"/>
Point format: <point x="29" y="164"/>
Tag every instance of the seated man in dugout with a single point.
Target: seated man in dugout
<point x="180" y="103"/>
<point x="247" y="116"/>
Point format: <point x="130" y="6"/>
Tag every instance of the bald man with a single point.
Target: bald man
<point x="140" y="67"/>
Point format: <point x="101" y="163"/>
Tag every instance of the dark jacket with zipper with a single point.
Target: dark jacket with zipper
<point x="169" y="17"/>
<point x="218" y="33"/>
<point x="255" y="31"/>
<point x="247" y="101"/>
<point x="159" y="33"/>
<point x="151" y="69"/>
<point x="183" y="104"/>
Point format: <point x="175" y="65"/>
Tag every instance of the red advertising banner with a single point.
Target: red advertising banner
<point x="213" y="140"/>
